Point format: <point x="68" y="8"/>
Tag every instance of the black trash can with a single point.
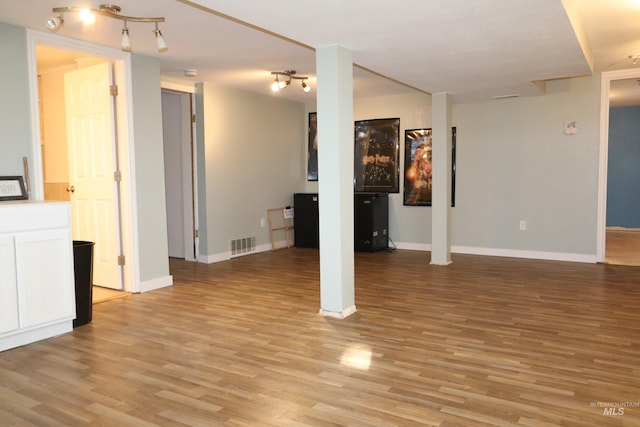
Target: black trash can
<point x="83" y="274"/>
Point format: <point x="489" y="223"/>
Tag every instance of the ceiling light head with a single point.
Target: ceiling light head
<point x="53" y="24"/>
<point x="276" y="85"/>
<point x="306" y="87"/>
<point x="87" y="16"/>
<point x="162" y="45"/>
<point x="126" y="41"/>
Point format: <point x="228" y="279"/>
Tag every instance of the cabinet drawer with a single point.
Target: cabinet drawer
<point x="16" y="217"/>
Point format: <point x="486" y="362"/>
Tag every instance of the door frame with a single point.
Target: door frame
<point x="189" y="173"/>
<point x="605" y="85"/>
<point x="124" y="119"/>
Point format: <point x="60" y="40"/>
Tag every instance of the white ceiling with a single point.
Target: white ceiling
<point x="474" y="50"/>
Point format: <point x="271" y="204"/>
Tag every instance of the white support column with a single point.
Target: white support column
<point x="334" y="69"/>
<point x="441" y="194"/>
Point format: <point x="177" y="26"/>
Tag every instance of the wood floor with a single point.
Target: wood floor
<point x="483" y="342"/>
<point x="623" y="246"/>
<point x="101" y="294"/>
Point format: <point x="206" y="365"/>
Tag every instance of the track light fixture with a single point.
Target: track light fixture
<point x="288" y="76"/>
<point x="111" y="11"/>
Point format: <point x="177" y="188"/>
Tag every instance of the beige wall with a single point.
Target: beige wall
<point x="56" y="164"/>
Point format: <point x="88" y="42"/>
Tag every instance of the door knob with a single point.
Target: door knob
<point x="71" y="189"/>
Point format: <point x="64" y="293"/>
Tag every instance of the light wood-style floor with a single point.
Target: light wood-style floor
<point x="623" y="246"/>
<point x="101" y="294"/>
<point x="483" y="342"/>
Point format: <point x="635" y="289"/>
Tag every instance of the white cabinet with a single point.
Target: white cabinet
<point x="37" y="293"/>
<point x="8" y="286"/>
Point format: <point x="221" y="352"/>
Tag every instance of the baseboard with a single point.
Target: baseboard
<point x="425" y="247"/>
<point x="281" y="244"/>
<point x="338" y="314"/>
<point x="508" y="253"/>
<point x="225" y="256"/>
<point x="210" y="259"/>
<point x="20" y="338"/>
<point x="518" y="253"/>
<point x="153" y="284"/>
<point x="265" y="247"/>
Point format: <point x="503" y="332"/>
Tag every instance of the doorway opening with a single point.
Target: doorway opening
<point x="179" y="167"/>
<point x="77" y="124"/>
<point x="45" y="183"/>
<point x="618" y="238"/>
<point x="622" y="245"/>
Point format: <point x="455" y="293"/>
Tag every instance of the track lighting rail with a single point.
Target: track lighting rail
<point x="110" y="10"/>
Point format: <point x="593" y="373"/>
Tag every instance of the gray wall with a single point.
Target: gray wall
<point x="250" y="153"/>
<point x="513" y="163"/>
<point x="15" y="124"/>
<point x="149" y="161"/>
<point x="623" y="172"/>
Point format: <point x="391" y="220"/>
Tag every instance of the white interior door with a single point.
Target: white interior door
<point x="92" y="164"/>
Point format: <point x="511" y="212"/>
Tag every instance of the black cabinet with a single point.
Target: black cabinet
<point x="305" y="220"/>
<point x="371" y="221"/>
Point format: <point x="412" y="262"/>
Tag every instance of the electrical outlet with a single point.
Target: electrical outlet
<point x="262" y="223"/>
<point x="523" y="225"/>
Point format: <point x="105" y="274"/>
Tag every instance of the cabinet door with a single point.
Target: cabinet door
<point x="44" y="268"/>
<point x="305" y="221"/>
<point x="8" y="286"/>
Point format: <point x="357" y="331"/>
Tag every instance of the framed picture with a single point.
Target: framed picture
<point x="377" y="145"/>
<point x="453" y="166"/>
<point x="12" y="188"/>
<point x="418" y="180"/>
<point x="312" y="156"/>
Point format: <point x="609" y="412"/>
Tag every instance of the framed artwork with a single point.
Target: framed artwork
<point x="312" y="156"/>
<point x="377" y="145"/>
<point x="418" y="180"/>
<point x="12" y="188"/>
<point x="453" y="166"/>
